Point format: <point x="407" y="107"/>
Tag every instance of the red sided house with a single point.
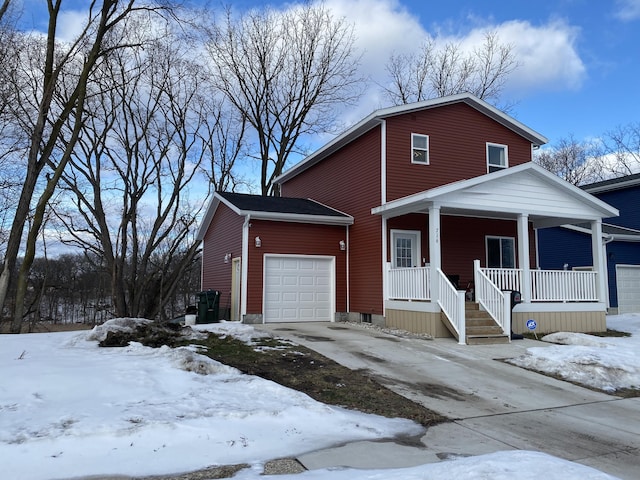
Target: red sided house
<point x="402" y="218"/>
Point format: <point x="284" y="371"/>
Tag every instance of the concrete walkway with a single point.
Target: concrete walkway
<point x="494" y="406"/>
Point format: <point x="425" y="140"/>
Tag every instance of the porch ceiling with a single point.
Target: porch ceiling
<point x="524" y="189"/>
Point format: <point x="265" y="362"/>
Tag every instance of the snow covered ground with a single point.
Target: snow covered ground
<point x="69" y="408"/>
<point x="605" y="363"/>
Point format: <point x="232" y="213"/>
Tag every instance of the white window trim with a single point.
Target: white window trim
<point x="417" y="249"/>
<point x="426" y="162"/>
<point x="498" y="237"/>
<point x="506" y="155"/>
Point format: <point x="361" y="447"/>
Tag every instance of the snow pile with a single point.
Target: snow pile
<point x="244" y="333"/>
<point x="69" y="408"/>
<point x="605" y="363"/>
<point x="99" y="332"/>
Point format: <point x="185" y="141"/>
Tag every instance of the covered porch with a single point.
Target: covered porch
<point x="526" y="195"/>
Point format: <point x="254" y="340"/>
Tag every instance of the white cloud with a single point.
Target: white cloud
<point x="71" y="24"/>
<point x="628" y="10"/>
<point x="547" y="54"/>
<point x="381" y="27"/>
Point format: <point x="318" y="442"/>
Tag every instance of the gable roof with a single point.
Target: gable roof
<point x="378" y="116"/>
<point x="526" y="188"/>
<point x="613" y="184"/>
<point x="284" y="209"/>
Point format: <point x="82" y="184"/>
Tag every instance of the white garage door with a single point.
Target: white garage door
<point x="298" y="289"/>
<point x="628" y="280"/>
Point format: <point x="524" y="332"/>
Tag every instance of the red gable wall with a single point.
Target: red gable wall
<point x="458" y="135"/>
<point x="223" y="236"/>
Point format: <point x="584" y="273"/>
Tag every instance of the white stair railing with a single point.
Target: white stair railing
<point x="505" y="278"/>
<point x="451" y="302"/>
<point x="492" y="299"/>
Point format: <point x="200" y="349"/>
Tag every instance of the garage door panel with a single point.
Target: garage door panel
<point x="298" y="289"/>
<point x="628" y="286"/>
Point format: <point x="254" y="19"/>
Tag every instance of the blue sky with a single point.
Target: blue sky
<point x="580" y="59"/>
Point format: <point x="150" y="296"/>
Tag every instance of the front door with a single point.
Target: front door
<point x="405" y="248"/>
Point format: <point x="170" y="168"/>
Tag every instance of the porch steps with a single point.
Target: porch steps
<point x="481" y="328"/>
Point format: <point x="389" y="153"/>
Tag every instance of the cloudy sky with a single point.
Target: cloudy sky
<point x="579" y="59"/>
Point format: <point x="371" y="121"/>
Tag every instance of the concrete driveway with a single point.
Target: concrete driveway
<point x="494" y="406"/>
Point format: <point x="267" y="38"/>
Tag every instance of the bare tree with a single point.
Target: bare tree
<point x="51" y="128"/>
<point x="436" y="71"/>
<point x="138" y="155"/>
<point x="222" y="133"/>
<point x="620" y="150"/>
<point x="576" y="162"/>
<point x="286" y="73"/>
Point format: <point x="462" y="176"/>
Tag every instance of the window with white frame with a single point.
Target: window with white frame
<point x="405" y="248"/>
<point x="501" y="252"/>
<point x="420" y="148"/>
<point x="497" y="157"/>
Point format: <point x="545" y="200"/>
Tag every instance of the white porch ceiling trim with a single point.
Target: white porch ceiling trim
<point x="524" y="189"/>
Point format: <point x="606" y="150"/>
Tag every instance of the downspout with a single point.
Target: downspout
<point x="245" y="267"/>
<point x="606" y="239"/>
<point x="383" y="200"/>
<point x="347" y="268"/>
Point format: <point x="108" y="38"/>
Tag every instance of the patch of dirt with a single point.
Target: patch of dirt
<point x="150" y="334"/>
<point x="302" y="369"/>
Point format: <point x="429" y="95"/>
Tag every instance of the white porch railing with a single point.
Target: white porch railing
<point x="563" y="285"/>
<point x="451" y="302"/>
<point x="413" y="283"/>
<point x="491" y="297"/>
<point x="548" y="285"/>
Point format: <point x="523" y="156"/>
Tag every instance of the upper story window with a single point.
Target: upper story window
<point x="497" y="157"/>
<point x="420" y="148"/>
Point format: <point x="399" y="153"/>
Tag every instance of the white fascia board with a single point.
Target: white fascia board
<point x="208" y="216"/>
<point x="211" y="210"/>
<point x="632" y="236"/>
<point x="298" y="218"/>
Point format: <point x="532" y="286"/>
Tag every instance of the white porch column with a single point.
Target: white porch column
<point x="435" y="252"/>
<point x="598" y="259"/>
<point x="524" y="260"/>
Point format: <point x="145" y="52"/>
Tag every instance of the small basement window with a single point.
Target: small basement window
<point x="420" y="148"/>
<point x="497" y="157"/>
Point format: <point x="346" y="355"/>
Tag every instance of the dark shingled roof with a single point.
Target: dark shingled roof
<point x="612" y="182"/>
<point x="299" y="206"/>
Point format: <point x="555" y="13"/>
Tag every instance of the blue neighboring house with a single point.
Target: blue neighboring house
<point x="567" y="247"/>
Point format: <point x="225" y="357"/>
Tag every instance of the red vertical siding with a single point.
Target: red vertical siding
<point x="350" y="181"/>
<point x="294" y="239"/>
<point x="223" y="236"/>
<point x="458" y="135"/>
